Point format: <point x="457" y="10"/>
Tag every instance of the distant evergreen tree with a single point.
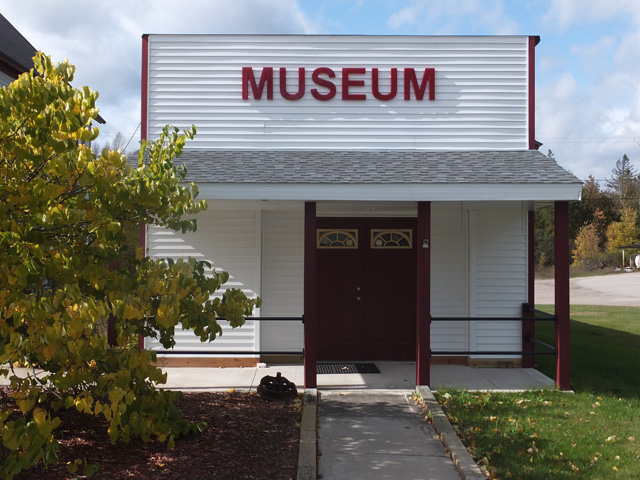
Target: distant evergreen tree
<point x="625" y="183"/>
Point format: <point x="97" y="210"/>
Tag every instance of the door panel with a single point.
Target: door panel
<point x="366" y="296"/>
<point x="391" y="295"/>
<point x="340" y="272"/>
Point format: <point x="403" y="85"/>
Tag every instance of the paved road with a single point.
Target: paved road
<point x="620" y="289"/>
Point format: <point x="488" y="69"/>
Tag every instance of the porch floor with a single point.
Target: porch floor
<point x="392" y="376"/>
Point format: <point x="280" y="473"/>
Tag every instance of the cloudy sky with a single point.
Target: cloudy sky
<point x="587" y="72"/>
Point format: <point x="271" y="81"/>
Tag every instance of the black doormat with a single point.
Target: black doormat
<point x="347" y="368"/>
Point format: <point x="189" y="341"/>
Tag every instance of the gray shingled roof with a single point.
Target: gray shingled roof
<point x="15" y="50"/>
<point x="373" y="167"/>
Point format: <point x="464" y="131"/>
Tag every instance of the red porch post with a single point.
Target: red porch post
<point x="310" y="319"/>
<point x="528" y="328"/>
<point x="423" y="297"/>
<point x="142" y="235"/>
<point x="561" y="248"/>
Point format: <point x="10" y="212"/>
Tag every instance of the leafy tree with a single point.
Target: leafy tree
<point x="597" y="205"/>
<point x="66" y="268"/>
<point x="543" y="233"/>
<point x="586" y="248"/>
<point x="600" y="225"/>
<point x="544" y="238"/>
<point x="624" y="232"/>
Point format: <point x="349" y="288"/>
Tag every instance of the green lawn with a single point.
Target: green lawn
<point x="592" y="434"/>
<point x="605" y="349"/>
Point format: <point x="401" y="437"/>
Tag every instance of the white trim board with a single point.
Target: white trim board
<point x="393" y="192"/>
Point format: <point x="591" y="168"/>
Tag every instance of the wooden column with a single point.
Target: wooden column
<point x="423" y="297"/>
<point x="528" y="328"/>
<point x="561" y="253"/>
<point x="310" y="306"/>
<point x="144" y="104"/>
<point x="144" y="127"/>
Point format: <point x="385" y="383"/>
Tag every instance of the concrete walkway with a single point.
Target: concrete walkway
<point x="377" y="435"/>
<point x="393" y="375"/>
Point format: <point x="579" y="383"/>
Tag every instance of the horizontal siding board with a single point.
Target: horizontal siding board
<point x="499" y="280"/>
<point x="481" y="92"/>
<point x="500" y="285"/>
<point x="283" y="279"/>
<point x="5" y="80"/>
<point x="227" y="239"/>
<point x="448" y="278"/>
<point x="508" y="340"/>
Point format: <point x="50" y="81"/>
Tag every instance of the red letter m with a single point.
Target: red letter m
<point x="266" y="77"/>
<point x="410" y="80"/>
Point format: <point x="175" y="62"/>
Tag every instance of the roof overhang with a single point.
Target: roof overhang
<point x="387" y="176"/>
<point x="391" y="192"/>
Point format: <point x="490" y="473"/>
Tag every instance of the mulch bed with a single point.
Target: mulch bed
<point x="246" y="438"/>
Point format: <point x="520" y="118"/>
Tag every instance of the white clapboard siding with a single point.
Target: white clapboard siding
<point x="283" y="279"/>
<point x="229" y="240"/>
<point x="5" y="80"/>
<point x="499" y="280"/>
<point x="449" y="276"/>
<point x="481" y="92"/>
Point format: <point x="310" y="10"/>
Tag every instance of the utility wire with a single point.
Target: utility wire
<point x="131" y="138"/>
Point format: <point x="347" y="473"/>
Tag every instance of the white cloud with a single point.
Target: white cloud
<point x="103" y="39"/>
<point x="566" y="13"/>
<point x="593" y="53"/>
<point x="584" y="130"/>
<point x="591" y="131"/>
<point x="484" y="17"/>
<point x="407" y="15"/>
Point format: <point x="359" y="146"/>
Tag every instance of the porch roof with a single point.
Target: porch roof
<point x="379" y="175"/>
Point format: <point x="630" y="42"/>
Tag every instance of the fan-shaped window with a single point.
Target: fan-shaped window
<point x="337" y="238"/>
<point x="391" y="238"/>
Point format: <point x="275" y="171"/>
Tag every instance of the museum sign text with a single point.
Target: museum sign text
<point x="357" y="83"/>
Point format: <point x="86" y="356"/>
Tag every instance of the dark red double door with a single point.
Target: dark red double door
<point x="366" y="293"/>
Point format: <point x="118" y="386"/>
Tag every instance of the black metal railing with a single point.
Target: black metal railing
<point x="550" y="349"/>
<point x="243" y="352"/>
<point x="539" y="316"/>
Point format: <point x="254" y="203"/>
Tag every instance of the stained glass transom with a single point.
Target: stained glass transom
<point x="337" y="238"/>
<point x="391" y="238"/>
